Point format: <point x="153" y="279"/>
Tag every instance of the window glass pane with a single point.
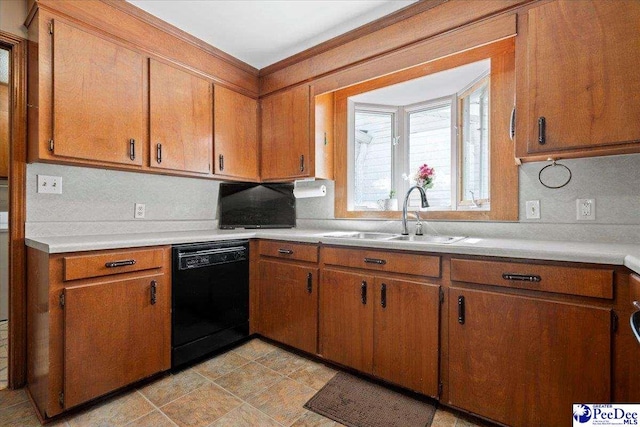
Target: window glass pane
<point x="475" y="143"/>
<point x="430" y="143"/>
<point x="373" y="158"/>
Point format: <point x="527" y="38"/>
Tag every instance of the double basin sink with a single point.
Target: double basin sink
<point x="445" y="240"/>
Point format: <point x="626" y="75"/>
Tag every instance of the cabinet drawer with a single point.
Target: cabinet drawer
<point x="391" y="262"/>
<point x="104" y="264"/>
<point x="288" y="250"/>
<point x="590" y="282"/>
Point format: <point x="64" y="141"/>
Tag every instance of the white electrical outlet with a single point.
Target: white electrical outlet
<point x="139" y="211"/>
<point x="533" y="209"/>
<point x="49" y="184"/>
<point x="586" y="209"/>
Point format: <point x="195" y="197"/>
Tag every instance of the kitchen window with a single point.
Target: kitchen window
<point x="452" y="114"/>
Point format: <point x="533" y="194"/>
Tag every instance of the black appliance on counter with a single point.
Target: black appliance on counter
<point x="210" y="298"/>
<point x="250" y="205"/>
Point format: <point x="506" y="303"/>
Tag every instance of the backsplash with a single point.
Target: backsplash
<point x="92" y="196"/>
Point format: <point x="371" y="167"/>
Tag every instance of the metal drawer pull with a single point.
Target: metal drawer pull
<point x="285" y="251"/>
<point x="154" y="286"/>
<point x="309" y="282"/>
<point x="159" y="153"/>
<point x="521" y="277"/>
<point x="461" y="310"/>
<point x="375" y="261"/>
<point x="120" y="263"/>
<point x="383" y="296"/>
<point x="542" y="124"/>
<point x="363" y="292"/>
<point x="132" y="149"/>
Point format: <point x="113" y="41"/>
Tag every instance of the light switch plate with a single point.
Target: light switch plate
<point x="139" y="211"/>
<point x="533" y="209"/>
<point x="49" y="184"/>
<point x="586" y="209"/>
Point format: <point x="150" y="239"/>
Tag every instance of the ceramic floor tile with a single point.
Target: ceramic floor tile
<point x="314" y="374"/>
<point x="254" y="349"/>
<point x="311" y="419"/>
<point x="12" y="397"/>
<point x="21" y="415"/>
<point x="220" y="365"/>
<point x="283" y="401"/>
<point x="153" y="419"/>
<point x="245" y="416"/>
<point x="172" y="387"/>
<point x="444" y="418"/>
<point x="249" y="379"/>
<point x="201" y="407"/>
<point x="283" y="362"/>
<point x="114" y="412"/>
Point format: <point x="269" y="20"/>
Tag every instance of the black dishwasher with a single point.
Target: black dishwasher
<point x="210" y="298"/>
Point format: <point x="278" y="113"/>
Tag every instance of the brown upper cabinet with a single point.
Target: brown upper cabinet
<point x="297" y="135"/>
<point x="181" y="119"/>
<point x="4" y="130"/>
<point x="577" y="76"/>
<point x="235" y="135"/>
<point x="98" y="98"/>
<point x="285" y="135"/>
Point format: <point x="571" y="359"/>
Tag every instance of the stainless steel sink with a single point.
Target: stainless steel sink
<point x="444" y="240"/>
<point x="362" y="235"/>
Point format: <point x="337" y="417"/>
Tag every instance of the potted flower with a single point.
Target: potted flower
<point x="424" y="176"/>
<point x="390" y="204"/>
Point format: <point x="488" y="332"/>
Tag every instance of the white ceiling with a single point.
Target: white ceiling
<point x="261" y="32"/>
<point x="433" y="86"/>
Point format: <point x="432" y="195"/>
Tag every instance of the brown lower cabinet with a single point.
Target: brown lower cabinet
<point x="96" y="322"/>
<point x="383" y="326"/>
<point x="288" y="298"/>
<point x="524" y="361"/>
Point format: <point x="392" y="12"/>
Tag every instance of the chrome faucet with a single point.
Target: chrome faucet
<point x="425" y="204"/>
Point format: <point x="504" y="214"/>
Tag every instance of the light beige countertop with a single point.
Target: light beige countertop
<point x="598" y="253"/>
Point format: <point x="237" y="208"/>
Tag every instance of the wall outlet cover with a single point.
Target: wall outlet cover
<point x="533" y="209"/>
<point x="586" y="209"/>
<point x="49" y="184"/>
<point x="139" y="211"/>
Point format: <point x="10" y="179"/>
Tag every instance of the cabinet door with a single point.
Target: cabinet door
<point x="289" y="304"/>
<point x="98" y="98"/>
<point x="579" y="67"/>
<point x="114" y="335"/>
<point x="324" y="135"/>
<point x="406" y="328"/>
<point x="285" y="134"/>
<point x="4" y="130"/>
<point x="181" y="129"/>
<point x="346" y="319"/>
<point x="523" y="361"/>
<point x="235" y="138"/>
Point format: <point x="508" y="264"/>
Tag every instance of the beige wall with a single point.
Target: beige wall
<point x="12" y="16"/>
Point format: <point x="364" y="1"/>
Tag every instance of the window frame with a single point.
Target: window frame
<point x="503" y="179"/>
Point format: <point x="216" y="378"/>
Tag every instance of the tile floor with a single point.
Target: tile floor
<point x="4" y="325"/>
<point x="256" y="384"/>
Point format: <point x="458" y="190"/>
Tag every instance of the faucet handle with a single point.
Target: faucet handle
<point x="417" y="215"/>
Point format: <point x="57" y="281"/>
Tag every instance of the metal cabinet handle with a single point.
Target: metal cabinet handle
<point x="375" y="261"/>
<point x="132" y="149"/>
<point x="302" y="163"/>
<point x="309" y="282"/>
<point x="383" y="295"/>
<point x="124" y="263"/>
<point x="159" y="153"/>
<point x="512" y="124"/>
<point x="461" y="310"/>
<point x="522" y="277"/>
<point x="221" y="162"/>
<point x="542" y="124"/>
<point x="363" y="292"/>
<point x="285" y="251"/>
<point x="154" y="297"/>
